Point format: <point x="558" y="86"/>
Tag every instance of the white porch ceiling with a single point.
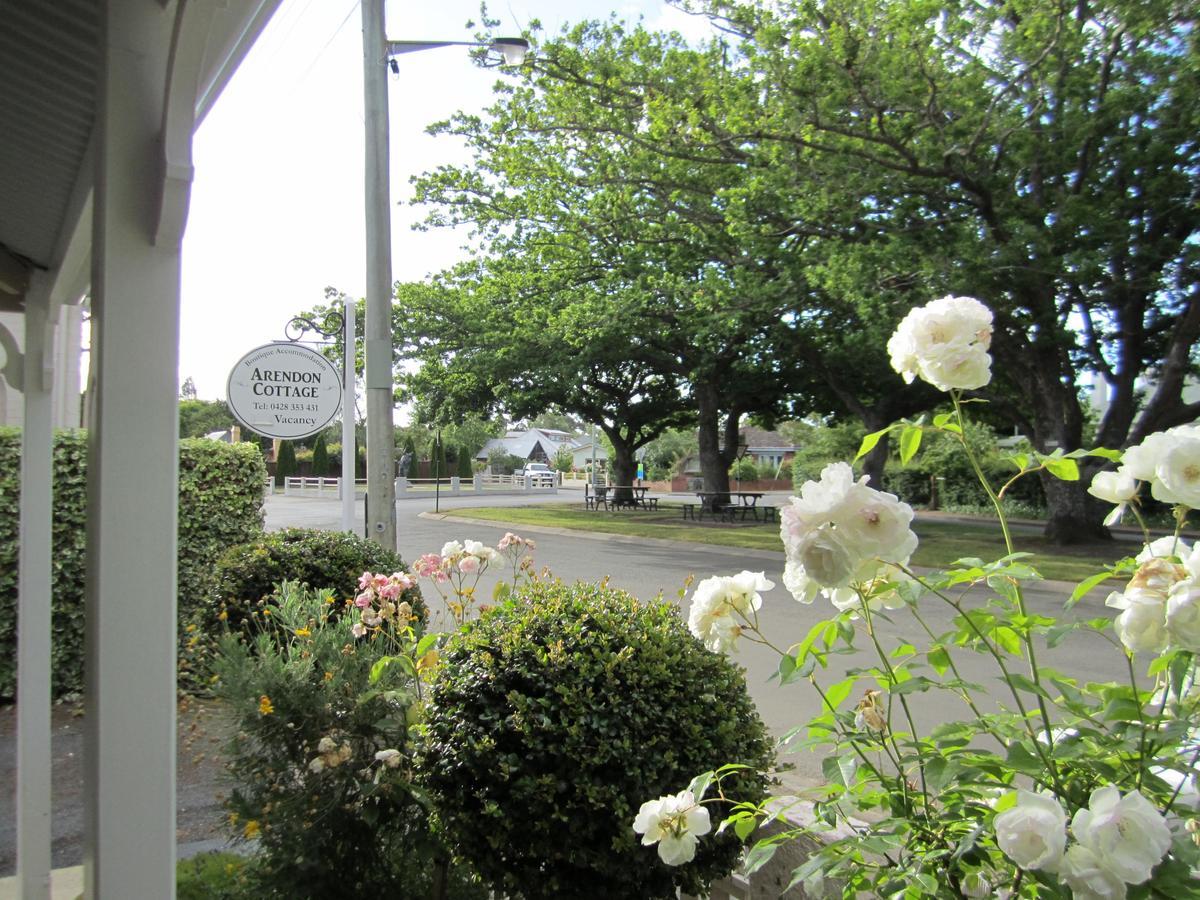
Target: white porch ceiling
<point x="48" y="59"/>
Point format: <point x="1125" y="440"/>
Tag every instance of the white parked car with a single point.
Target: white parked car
<point x="540" y="473"/>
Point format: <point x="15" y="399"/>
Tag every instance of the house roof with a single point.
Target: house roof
<point x="523" y="443"/>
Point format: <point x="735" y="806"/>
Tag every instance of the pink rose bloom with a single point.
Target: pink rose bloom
<point x="358" y="629"/>
<point x="364" y="580"/>
<point x="403" y="579"/>
<point x="427" y="565"/>
<point x="468" y="565"/>
<point x="363" y="600"/>
<point x="391" y="590"/>
<point x="380" y="581"/>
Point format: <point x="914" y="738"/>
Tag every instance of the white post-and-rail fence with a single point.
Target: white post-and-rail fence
<point x="332" y="487"/>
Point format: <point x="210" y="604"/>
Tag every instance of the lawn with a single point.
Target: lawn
<point x="941" y="541"/>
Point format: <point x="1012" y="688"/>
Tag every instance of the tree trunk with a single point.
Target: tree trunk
<point x="715" y="459"/>
<point x="1075" y="516"/>
<point x="874" y="462"/>
<point x="623" y="466"/>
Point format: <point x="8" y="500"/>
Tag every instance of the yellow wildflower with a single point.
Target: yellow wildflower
<point x="251" y="830"/>
<point x="265" y="708"/>
<point x="329" y="676"/>
<point x="223" y="615"/>
<point x="303" y="632"/>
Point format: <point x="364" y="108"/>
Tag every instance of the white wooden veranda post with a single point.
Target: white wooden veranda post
<point x="132" y="473"/>
<point x="33" y="598"/>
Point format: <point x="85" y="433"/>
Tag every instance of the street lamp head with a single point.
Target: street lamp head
<point x="512" y="51"/>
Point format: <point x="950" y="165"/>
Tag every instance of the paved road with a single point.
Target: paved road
<point x="644" y="568"/>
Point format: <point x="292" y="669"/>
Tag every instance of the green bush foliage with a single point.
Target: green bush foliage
<point x="466" y="471"/>
<point x="330" y="817"/>
<point x="220" y="504"/>
<point x="744" y="469"/>
<point x="247" y="575"/>
<point x="555" y="716"/>
<point x="285" y="462"/>
<point x="320" y="457"/>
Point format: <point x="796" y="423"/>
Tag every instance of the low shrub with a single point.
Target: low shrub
<point x="247" y="575"/>
<point x="319" y="756"/>
<point x="555" y="715"/>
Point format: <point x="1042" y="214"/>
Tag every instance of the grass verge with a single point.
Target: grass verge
<point x="941" y="542"/>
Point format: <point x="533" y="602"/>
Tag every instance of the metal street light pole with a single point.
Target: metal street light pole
<point x="377" y="323"/>
<point x="381" y="440"/>
<point x="349" y="456"/>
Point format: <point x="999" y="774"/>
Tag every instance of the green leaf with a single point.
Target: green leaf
<point x="910" y="442"/>
<point x="869" y="442"/>
<point x="1084" y="587"/>
<point x="759" y="855"/>
<point x="744" y="827"/>
<point x="938" y="658"/>
<point x="1060" y="468"/>
<point x="1024" y="683"/>
<point x="1105" y="453"/>
<point x="915" y="685"/>
<point x="700" y="783"/>
<point x="1008" y="640"/>
<point x="836" y="694"/>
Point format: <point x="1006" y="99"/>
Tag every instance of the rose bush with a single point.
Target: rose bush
<point x="1069" y="788"/>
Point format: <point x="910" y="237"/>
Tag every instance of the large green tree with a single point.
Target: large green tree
<point x="1038" y="154"/>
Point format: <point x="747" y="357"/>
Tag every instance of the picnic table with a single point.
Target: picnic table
<point x="728" y="505"/>
<point x="615" y="497"/>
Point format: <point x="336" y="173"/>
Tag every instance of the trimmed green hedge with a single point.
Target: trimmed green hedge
<point x="220" y="504"/>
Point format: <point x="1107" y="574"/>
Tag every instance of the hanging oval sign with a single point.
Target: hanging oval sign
<point x="284" y="391"/>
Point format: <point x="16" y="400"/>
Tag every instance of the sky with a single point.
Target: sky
<point x="277" y="201"/>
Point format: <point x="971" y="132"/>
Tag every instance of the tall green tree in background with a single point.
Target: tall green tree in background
<point x="320" y="457"/>
<point x="466" y="470"/>
<point x="1048" y="152"/>
<point x="285" y="462"/>
<point x="200" y="417"/>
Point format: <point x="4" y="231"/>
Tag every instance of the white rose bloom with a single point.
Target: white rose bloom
<point x="472" y="548"/>
<point x="1164" y="547"/>
<point x="391" y="758"/>
<point x="1140" y="462"/>
<point x="1127" y="833"/>
<point x="796" y="580"/>
<point x="1088" y="878"/>
<point x="1183" y="615"/>
<point x="326" y="745"/>
<point x="825" y="558"/>
<point x="1113" y="487"/>
<point x="718" y="602"/>
<point x="1033" y="834"/>
<point x="875" y="524"/>
<point x="1142" y="626"/>
<point x="965" y="368"/>
<point x="1177" y="472"/>
<point x="1191" y="561"/>
<point x="944" y="343"/>
<point x="451" y="548"/>
<point x="675" y="823"/>
<point x="316" y="765"/>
